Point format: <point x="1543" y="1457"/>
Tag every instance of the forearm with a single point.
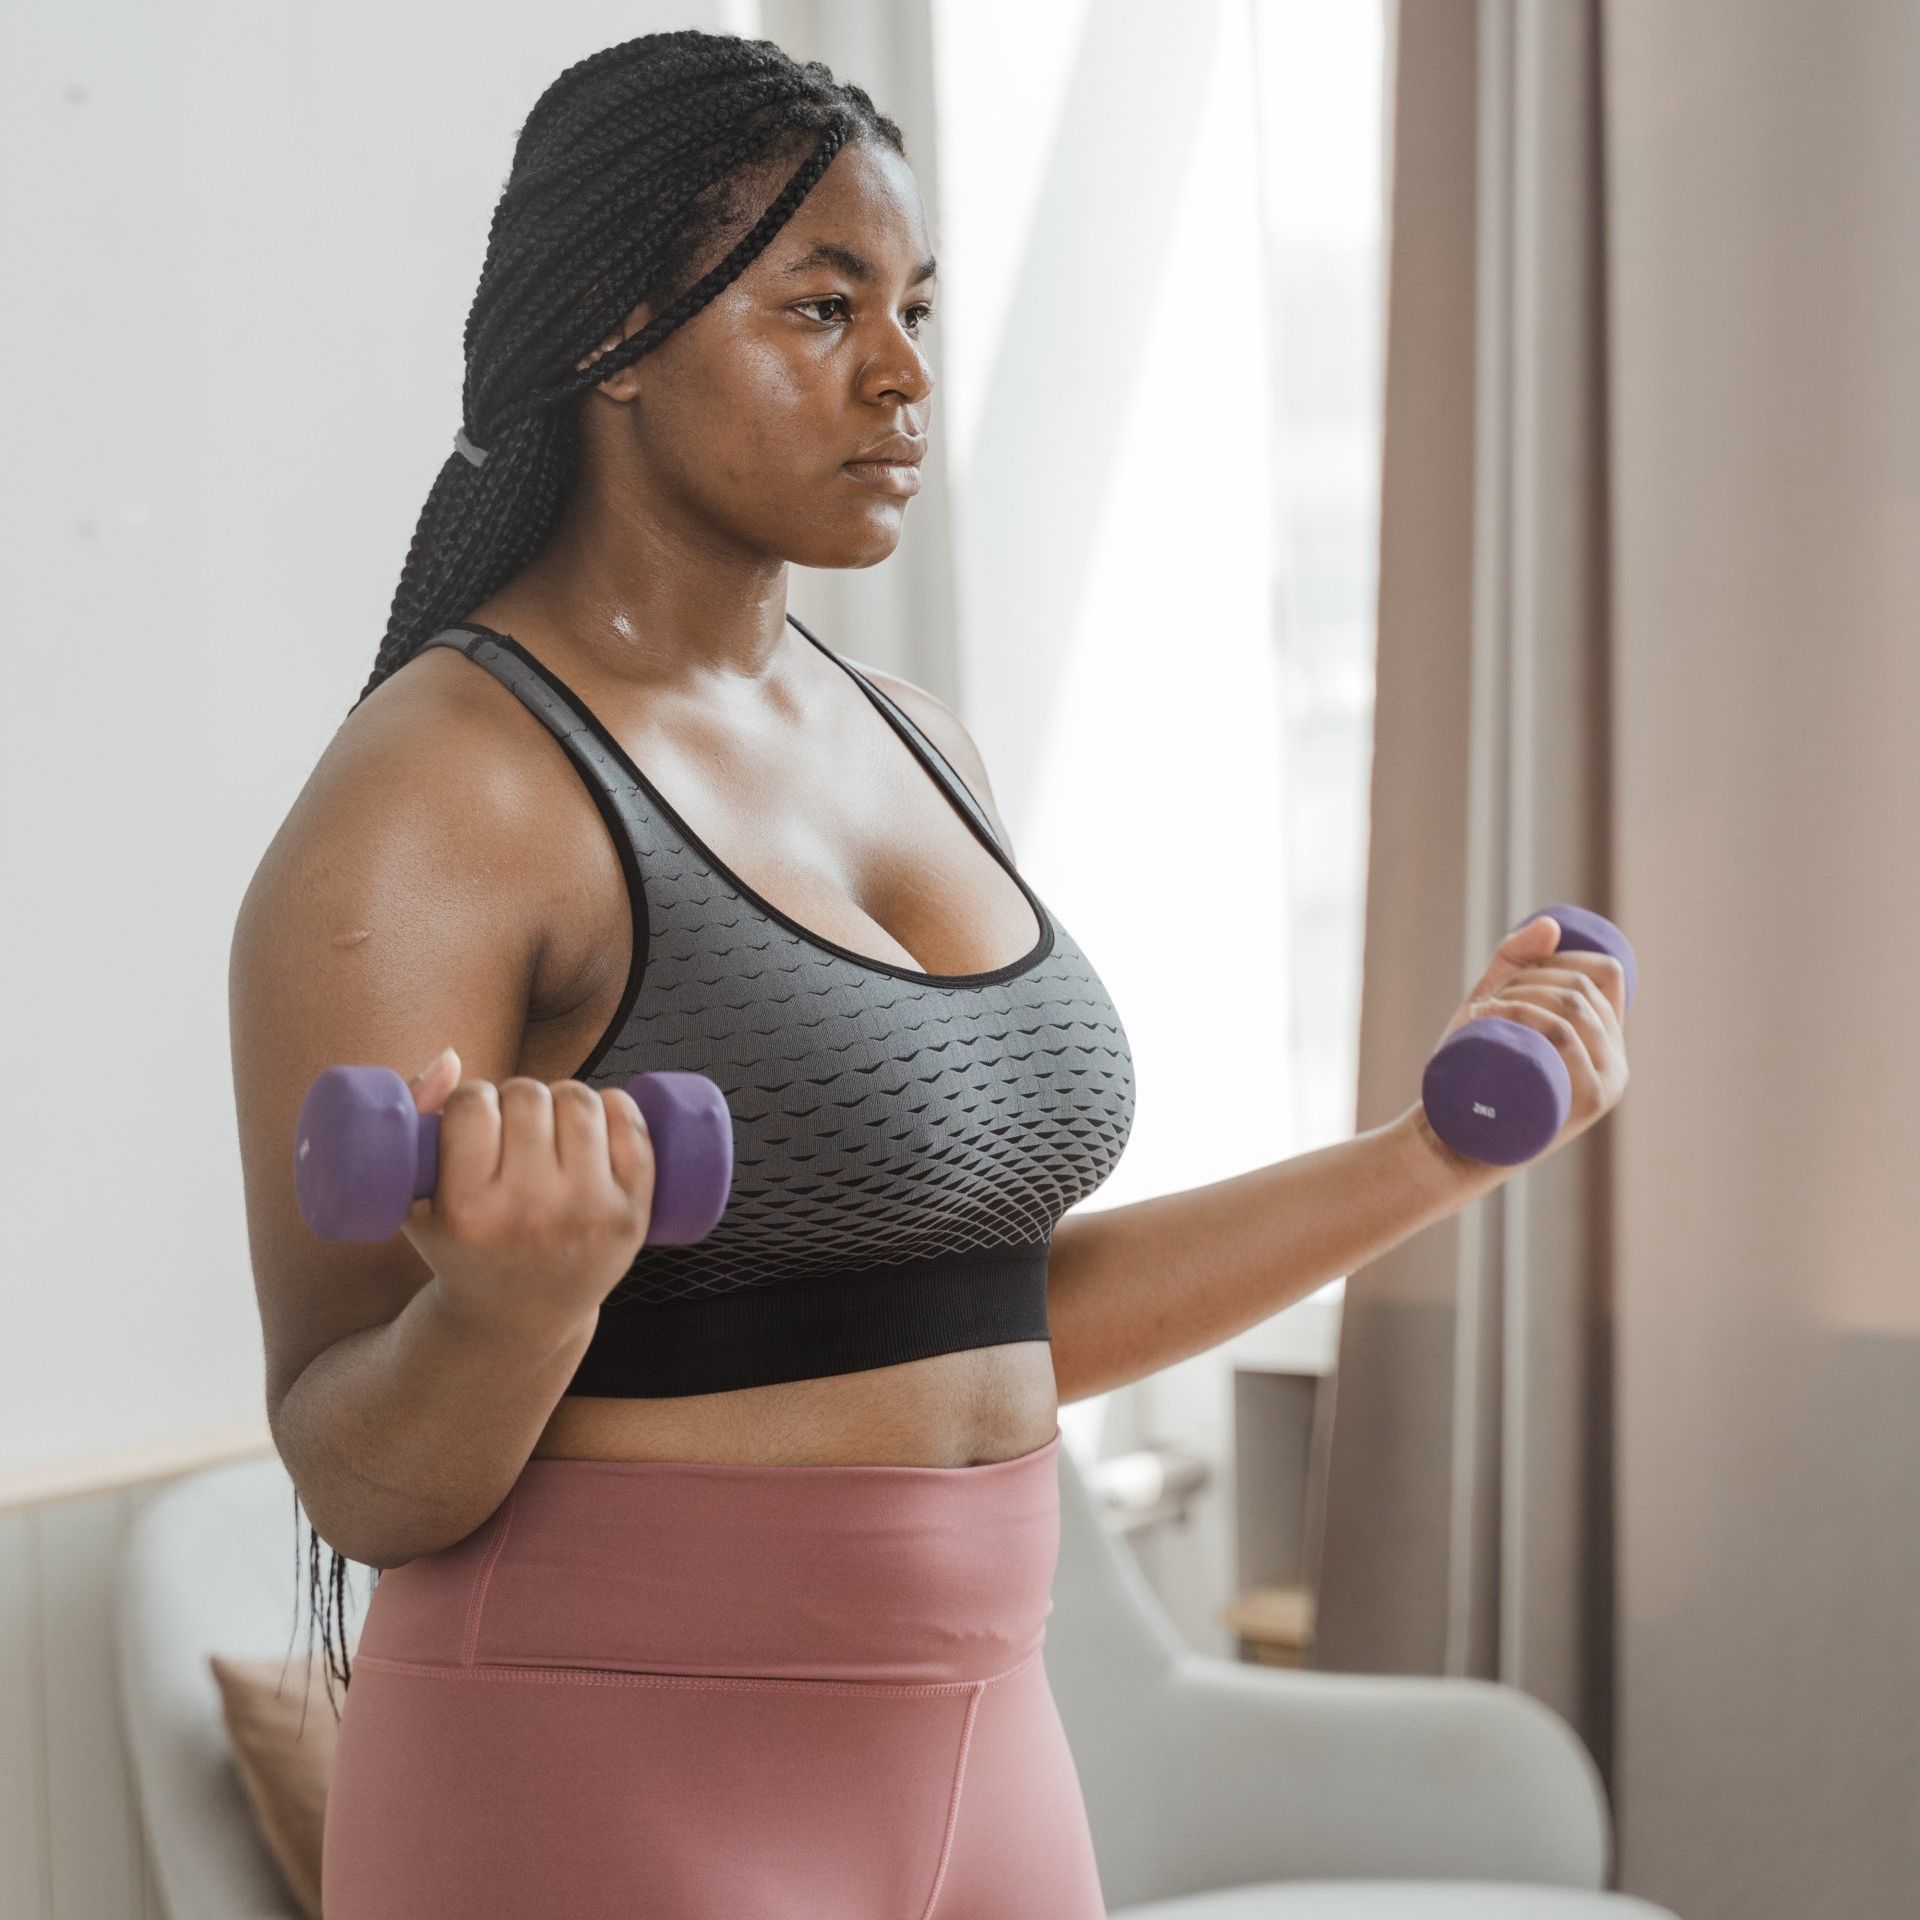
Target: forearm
<point x="1133" y="1289"/>
<point x="403" y="1437"/>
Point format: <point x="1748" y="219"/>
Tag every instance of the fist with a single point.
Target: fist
<point x="1577" y="1000"/>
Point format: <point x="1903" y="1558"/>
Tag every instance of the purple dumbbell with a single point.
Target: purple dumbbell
<point x="364" y="1153"/>
<point x="1497" y="1090"/>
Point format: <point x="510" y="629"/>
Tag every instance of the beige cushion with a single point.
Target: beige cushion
<point x="282" y="1728"/>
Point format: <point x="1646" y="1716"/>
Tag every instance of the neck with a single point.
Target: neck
<point x="633" y="588"/>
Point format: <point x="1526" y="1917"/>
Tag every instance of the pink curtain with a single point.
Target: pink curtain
<point x="1640" y="1433"/>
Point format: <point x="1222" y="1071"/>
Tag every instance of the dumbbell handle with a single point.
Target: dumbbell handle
<point x="1497" y="1090"/>
<point x="363" y="1153"/>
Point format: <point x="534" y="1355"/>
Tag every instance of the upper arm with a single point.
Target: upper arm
<point x="943" y="727"/>
<point x="385" y="921"/>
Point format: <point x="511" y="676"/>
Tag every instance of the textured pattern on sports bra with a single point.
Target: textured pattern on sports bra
<point x="880" y="1114"/>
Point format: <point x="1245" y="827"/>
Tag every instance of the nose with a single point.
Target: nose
<point x="909" y="376"/>
<point x="902" y="368"/>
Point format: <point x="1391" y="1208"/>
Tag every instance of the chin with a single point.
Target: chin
<point x="862" y="546"/>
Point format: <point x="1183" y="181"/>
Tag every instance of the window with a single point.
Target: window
<point x="1160" y="239"/>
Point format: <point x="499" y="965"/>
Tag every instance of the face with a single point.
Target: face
<point x="746" y="415"/>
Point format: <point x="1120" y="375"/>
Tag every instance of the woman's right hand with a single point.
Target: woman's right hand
<point x="543" y="1199"/>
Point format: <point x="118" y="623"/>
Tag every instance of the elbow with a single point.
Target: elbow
<point x="345" y="1532"/>
<point x="367" y="1549"/>
<point x="349" y="1541"/>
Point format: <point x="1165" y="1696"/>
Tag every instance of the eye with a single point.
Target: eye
<point x="924" y="310"/>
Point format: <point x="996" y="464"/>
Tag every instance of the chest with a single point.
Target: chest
<point x="875" y="861"/>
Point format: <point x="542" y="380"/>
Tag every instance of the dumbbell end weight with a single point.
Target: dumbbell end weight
<point x="363" y="1153"/>
<point x="692" y="1131"/>
<point x="1497" y="1091"/>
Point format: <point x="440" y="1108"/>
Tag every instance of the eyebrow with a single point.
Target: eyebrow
<point x="855" y="266"/>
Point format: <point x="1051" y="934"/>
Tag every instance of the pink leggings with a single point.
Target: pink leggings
<point x="671" y="1690"/>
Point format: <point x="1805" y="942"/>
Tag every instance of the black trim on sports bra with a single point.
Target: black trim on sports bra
<point x="937" y="769"/>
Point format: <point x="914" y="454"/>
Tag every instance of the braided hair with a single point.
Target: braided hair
<point x="629" y="169"/>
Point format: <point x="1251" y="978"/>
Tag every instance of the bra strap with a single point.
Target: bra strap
<point x="576" y="730"/>
<point x="937" y="762"/>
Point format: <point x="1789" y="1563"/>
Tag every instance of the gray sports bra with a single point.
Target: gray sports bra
<point x="904" y="1142"/>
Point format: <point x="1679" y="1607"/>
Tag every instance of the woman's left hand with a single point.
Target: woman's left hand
<point x="1578" y="1000"/>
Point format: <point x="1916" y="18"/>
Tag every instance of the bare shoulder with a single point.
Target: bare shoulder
<point x="948" y="732"/>
<point x="418" y="784"/>
<point x="399" y="908"/>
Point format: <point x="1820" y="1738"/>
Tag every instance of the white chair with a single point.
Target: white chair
<point x="1220" y="1790"/>
<point x="1216" y="1790"/>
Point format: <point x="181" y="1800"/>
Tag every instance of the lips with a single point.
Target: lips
<point x="897" y="449"/>
<point x="885" y="476"/>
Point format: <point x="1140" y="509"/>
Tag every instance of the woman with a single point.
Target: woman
<point x="715" y="1577"/>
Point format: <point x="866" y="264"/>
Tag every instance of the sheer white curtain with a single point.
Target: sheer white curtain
<point x="1158" y="231"/>
<point x="1317" y="96"/>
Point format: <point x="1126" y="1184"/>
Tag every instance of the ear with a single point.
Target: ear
<point x="625" y="384"/>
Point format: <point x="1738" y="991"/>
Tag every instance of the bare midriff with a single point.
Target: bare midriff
<point x="952" y="1410"/>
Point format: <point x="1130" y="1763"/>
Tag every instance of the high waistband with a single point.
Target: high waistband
<point x="895" y="1575"/>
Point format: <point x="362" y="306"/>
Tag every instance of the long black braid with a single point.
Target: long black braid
<point x="627" y="171"/>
